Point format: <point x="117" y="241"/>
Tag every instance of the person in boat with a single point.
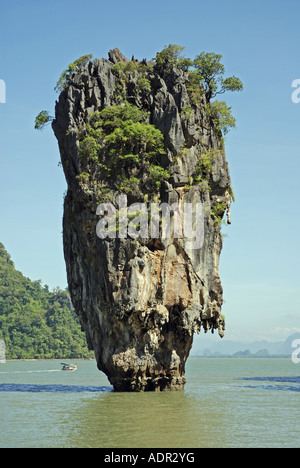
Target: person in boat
<point x="69" y="366"/>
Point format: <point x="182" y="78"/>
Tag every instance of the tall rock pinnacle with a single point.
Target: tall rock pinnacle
<point x="136" y="129"/>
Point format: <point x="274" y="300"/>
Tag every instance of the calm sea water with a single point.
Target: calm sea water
<point x="226" y="403"/>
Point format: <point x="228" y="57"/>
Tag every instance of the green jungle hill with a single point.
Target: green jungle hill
<point x="36" y="323"/>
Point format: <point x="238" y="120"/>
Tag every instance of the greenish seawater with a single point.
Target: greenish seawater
<point x="226" y="403"/>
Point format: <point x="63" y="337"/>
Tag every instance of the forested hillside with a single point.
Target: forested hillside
<point x="35" y="322"/>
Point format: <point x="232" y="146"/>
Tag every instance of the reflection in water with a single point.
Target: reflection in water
<point x="146" y="420"/>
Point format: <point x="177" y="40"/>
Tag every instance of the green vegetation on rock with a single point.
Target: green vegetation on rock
<point x="206" y="70"/>
<point x="42" y="119"/>
<point x="119" y="143"/>
<point x="72" y="67"/>
<point x="205" y="75"/>
<point x="124" y="71"/>
<point x="221" y="116"/>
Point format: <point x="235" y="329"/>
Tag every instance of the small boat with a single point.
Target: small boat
<point x="69" y="367"/>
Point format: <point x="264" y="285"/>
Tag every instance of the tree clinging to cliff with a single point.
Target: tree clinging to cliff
<point x="211" y="71"/>
<point x="206" y="70"/>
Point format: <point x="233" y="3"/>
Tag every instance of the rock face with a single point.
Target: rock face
<point x="140" y="301"/>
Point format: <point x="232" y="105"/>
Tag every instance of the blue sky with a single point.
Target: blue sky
<point x="259" y="41"/>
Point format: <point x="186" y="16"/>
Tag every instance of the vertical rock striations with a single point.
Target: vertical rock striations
<point x="140" y="300"/>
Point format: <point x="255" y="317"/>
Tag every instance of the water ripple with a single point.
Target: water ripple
<point x="291" y="388"/>
<point x="37" y="388"/>
<point x="292" y="379"/>
<point x="282" y="380"/>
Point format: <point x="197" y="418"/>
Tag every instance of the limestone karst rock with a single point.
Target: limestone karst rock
<point x="140" y="301"/>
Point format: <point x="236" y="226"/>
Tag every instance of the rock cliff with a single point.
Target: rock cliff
<point x="140" y="300"/>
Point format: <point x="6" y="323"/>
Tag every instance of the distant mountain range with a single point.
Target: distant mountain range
<point x="210" y="348"/>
